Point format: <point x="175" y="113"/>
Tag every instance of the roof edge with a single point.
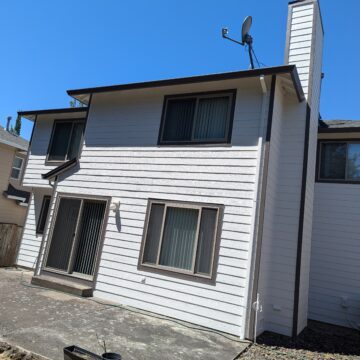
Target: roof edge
<point x="283" y="69"/>
<point x="30" y="114"/>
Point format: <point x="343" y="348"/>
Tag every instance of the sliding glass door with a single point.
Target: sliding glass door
<point x="76" y="236"/>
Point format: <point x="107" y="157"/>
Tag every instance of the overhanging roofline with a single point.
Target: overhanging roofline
<point x="30" y="115"/>
<point x="13" y="144"/>
<point x="339" y="130"/>
<point x="276" y="70"/>
<point x="60" y="169"/>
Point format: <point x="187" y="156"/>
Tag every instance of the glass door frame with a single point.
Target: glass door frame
<point x="71" y="263"/>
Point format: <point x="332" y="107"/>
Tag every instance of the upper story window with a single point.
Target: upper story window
<point x="16" y="167"/>
<point x="339" y="161"/>
<point x="65" y="140"/>
<point x="197" y="118"/>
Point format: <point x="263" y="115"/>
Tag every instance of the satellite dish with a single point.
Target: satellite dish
<point x="246" y="38"/>
<point x="245" y="29"/>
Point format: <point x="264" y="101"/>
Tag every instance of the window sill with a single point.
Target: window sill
<point x="54" y="163"/>
<point x="178" y="274"/>
<point x="201" y="144"/>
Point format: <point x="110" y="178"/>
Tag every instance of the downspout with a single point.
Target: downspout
<point x="263" y="166"/>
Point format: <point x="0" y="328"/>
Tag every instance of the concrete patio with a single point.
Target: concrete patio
<point x="45" y="321"/>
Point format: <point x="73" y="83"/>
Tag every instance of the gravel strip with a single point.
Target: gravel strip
<point x="8" y="352"/>
<point x="317" y="342"/>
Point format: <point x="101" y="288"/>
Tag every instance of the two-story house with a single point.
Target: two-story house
<point x="188" y="197"/>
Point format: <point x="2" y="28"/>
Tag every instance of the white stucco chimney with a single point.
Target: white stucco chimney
<point x="304" y="46"/>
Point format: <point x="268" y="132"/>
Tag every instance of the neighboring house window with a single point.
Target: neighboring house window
<point x="181" y="237"/>
<point x="66" y="140"/>
<point x="43" y="214"/>
<point x="199" y="119"/>
<point x="339" y="161"/>
<point x="16" y="167"/>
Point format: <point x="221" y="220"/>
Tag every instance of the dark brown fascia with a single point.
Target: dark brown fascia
<point x="31" y="114"/>
<point x="276" y="70"/>
<point x="60" y="169"/>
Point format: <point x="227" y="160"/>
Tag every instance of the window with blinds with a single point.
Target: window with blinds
<point x="66" y="140"/>
<point x="181" y="237"/>
<point x="197" y="118"/>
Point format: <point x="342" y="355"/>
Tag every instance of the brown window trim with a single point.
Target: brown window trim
<point x="318" y="179"/>
<point x="176" y="272"/>
<point x="226" y="141"/>
<point x="56" y="121"/>
<point x="45" y="197"/>
<point x="81" y="197"/>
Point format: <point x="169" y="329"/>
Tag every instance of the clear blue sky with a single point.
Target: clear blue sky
<point x="51" y="46"/>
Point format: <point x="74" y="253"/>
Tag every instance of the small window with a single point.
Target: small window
<point x="181" y="237"/>
<point x="197" y="119"/>
<point x="43" y="214"/>
<point x="66" y="140"/>
<point x="339" y="161"/>
<point x="16" y="167"/>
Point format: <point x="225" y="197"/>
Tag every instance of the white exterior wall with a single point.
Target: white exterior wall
<point x="121" y="159"/>
<point x="265" y="281"/>
<point x="335" y="266"/>
<point x="30" y="240"/>
<point x="304" y="49"/>
<point x="281" y="221"/>
<point x="314" y="103"/>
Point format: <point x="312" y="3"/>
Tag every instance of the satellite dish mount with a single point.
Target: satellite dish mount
<point x="246" y="38"/>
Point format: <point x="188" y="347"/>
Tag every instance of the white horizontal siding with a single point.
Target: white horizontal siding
<point x="121" y="160"/>
<point x="335" y="266"/>
<point x="31" y="241"/>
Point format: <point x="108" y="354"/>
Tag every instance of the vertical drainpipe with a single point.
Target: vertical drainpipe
<point x="253" y="275"/>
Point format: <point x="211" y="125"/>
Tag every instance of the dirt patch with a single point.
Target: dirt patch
<point x="8" y="352"/>
<point x="317" y="342"/>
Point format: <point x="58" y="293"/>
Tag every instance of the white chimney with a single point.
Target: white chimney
<point x="304" y="46"/>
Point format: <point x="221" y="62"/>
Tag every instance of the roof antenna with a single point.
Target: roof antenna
<point x="246" y="38"/>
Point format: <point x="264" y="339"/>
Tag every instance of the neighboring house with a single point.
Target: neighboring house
<point x="186" y="197"/>
<point x="14" y="198"/>
<point x="335" y="266"/>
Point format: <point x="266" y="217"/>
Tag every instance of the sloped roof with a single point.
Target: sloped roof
<point x="13" y="140"/>
<point x="339" y="126"/>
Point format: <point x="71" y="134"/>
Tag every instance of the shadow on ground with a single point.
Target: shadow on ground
<point x="318" y="337"/>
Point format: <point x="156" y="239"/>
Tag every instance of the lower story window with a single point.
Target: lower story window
<point x="181" y="237"/>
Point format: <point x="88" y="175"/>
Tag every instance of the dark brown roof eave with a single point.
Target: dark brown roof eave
<point x="339" y="130"/>
<point x="276" y="70"/>
<point x="60" y="169"/>
<point x="30" y="115"/>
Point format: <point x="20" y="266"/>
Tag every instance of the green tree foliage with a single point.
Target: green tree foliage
<point x="17" y="128"/>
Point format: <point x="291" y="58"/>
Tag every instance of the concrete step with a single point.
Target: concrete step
<point x="67" y="286"/>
